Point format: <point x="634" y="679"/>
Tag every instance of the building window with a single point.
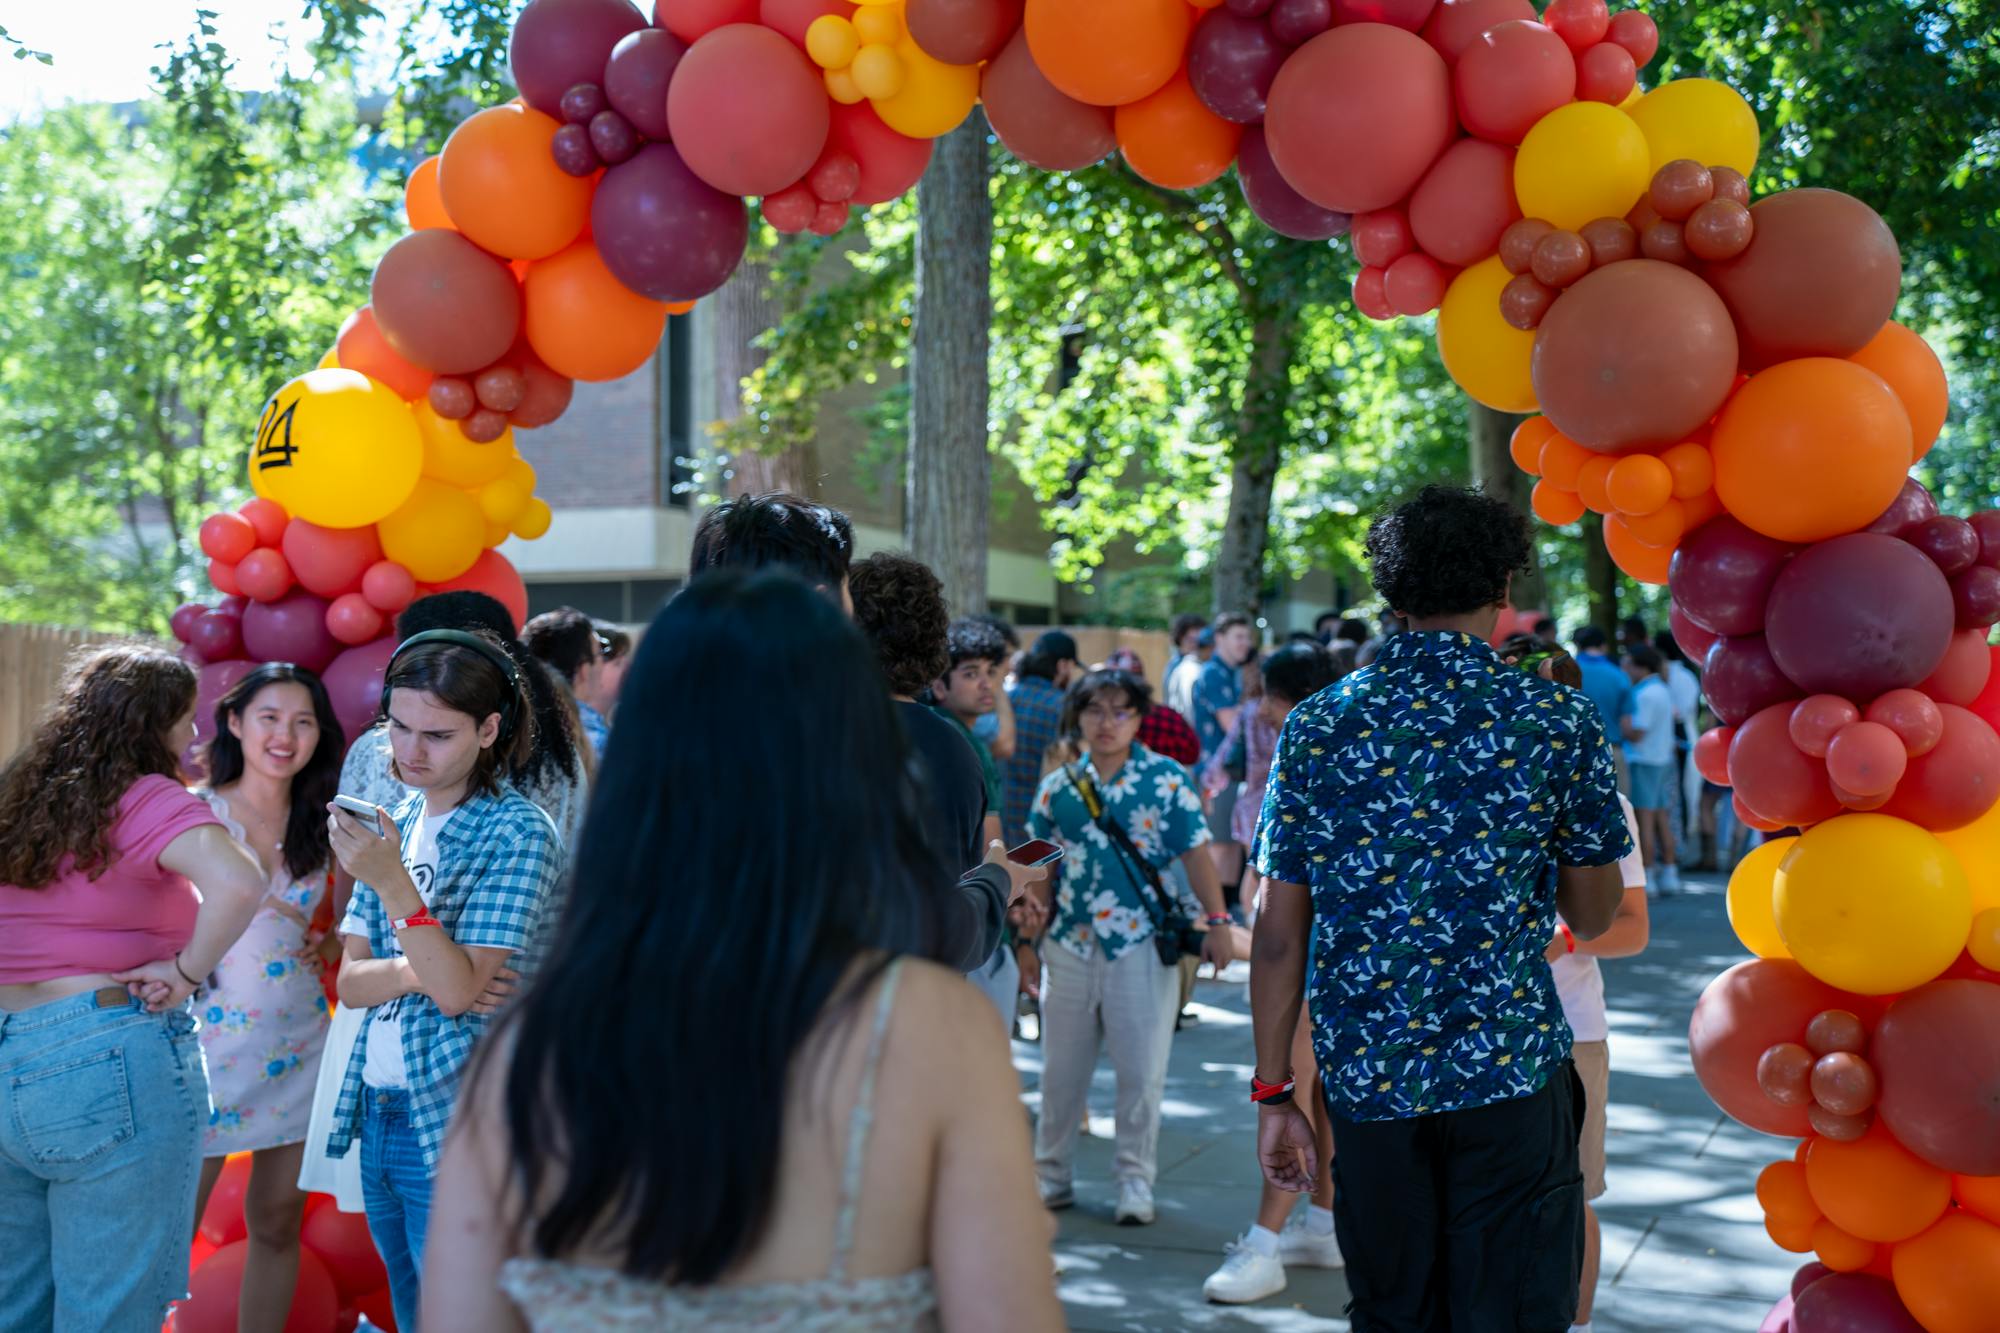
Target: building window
<point x="675" y="413"/>
<point x="621" y="601"/>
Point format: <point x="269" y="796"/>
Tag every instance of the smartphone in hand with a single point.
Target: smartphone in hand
<point x="363" y="811"/>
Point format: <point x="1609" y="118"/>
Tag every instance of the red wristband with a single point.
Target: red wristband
<point x="1569" y="939"/>
<point x="1260" y="1091"/>
<point x="423" y="918"/>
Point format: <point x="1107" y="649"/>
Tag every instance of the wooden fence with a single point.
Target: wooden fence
<point x="1094" y="643"/>
<point x="32" y="658"/>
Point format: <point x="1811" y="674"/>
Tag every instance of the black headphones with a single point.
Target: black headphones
<point x="458" y="638"/>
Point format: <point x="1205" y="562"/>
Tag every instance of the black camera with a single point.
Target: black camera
<point x="1176" y="940"/>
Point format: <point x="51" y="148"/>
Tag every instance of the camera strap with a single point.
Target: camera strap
<point x="1121" y="843"/>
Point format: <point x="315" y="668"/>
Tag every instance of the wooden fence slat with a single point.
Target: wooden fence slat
<point x="32" y="659"/>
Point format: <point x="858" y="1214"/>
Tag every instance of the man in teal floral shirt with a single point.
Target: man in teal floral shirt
<point x="1425" y="820"/>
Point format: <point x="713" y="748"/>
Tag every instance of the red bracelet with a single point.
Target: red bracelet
<point x="1569" y="940"/>
<point x="423" y="918"/>
<point x="1260" y="1091"/>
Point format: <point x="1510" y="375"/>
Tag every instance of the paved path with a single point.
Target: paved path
<point x="1684" y="1244"/>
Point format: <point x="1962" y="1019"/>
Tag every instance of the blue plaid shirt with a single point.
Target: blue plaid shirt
<point x="1038" y="706"/>
<point x="595" y="726"/>
<point x="499" y="867"/>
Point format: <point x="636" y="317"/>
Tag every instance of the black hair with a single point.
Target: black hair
<point x="755" y="531"/>
<point x="616" y="642"/>
<point x="565" y="639"/>
<point x="899" y="605"/>
<point x="1048" y="652"/>
<point x="1183" y="625"/>
<point x="1545" y="628"/>
<point x="318" y="782"/>
<point x="1646" y="657"/>
<point x="1298" y="671"/>
<point x="1001" y="626"/>
<point x="697" y="1004"/>
<point x="1096" y="684"/>
<point x="973" y="640"/>
<point x="1670" y="647"/>
<point x="466" y="681"/>
<point x="1448" y="552"/>
<point x="1304" y="636"/>
<point x="1229" y="620"/>
<point x="1352" y="629"/>
<point x="1634" y="626"/>
<point x="557" y="756"/>
<point x="1590" y="637"/>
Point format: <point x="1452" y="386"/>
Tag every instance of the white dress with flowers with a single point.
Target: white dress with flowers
<point x="263" y="1017"/>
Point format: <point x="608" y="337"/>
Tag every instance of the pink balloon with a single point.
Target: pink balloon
<point x="1867" y="759"/>
<point x="750" y="111"/>
<point x="1465" y="202"/>
<point x="1816" y="721"/>
<point x="1774" y="777"/>
<point x="352" y="620"/>
<point x="1358" y="115"/>
<point x="388" y="586"/>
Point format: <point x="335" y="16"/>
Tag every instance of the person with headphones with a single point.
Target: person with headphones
<point x="457" y="883"/>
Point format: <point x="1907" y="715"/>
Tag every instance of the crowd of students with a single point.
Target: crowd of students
<point x="668" y="1022"/>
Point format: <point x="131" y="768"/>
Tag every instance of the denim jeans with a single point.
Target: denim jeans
<point x="102" y="1107"/>
<point x="396" y="1189"/>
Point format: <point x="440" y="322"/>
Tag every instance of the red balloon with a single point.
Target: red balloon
<point x="330" y="561"/>
<point x="388" y="586"/>
<point x="1743" y="1013"/>
<point x="690" y="20"/>
<point x="962" y="32"/>
<point x="1038" y="122"/>
<point x="1637" y="33"/>
<point x="1407" y="14"/>
<point x="890" y="162"/>
<point x="444" y="304"/>
<point x="1366" y="75"/>
<point x="1381" y="236"/>
<point x="1456" y="24"/>
<point x="378" y="1308"/>
<point x="1816" y="721"/>
<point x="268" y="519"/>
<point x="1711" y="754"/>
<point x="793" y="17"/>
<point x="1513" y="75"/>
<point x="1955" y="783"/>
<point x="1740" y="678"/>
<point x="1773" y="777"/>
<point x="1937" y="1052"/>
<point x="1914" y="717"/>
<point x="1371" y="294"/>
<point x="749" y="110"/>
<point x="291" y="629"/>
<point x="1581" y="23"/>
<point x="557" y="44"/>
<point x="790" y="210"/>
<point x="223" y="577"/>
<point x="342" y="1242"/>
<point x="1966" y="672"/>
<point x="263" y="575"/>
<point x="361" y="346"/>
<point x="354" y="683"/>
<point x="494" y="575"/>
<point x="227" y="537"/>
<point x="222" y="1220"/>
<point x="213" y="1290"/>
<point x="1415" y="284"/>
<point x="1867" y="759"/>
<point x="352" y="620"/>
<point x="1693" y="639"/>
<point x="1464" y="204"/>
<point x="545" y="395"/>
<point x="1606" y="73"/>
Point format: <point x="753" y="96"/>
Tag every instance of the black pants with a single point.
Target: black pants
<point x="1464" y="1222"/>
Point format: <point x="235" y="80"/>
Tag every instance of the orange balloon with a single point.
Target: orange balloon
<point x="422" y="204"/>
<point x="1811" y="449"/>
<point x="1839" y="1251"/>
<point x="1590" y="483"/>
<point x="1874" y="1188"/>
<point x="503" y="189"/>
<point x="1172" y="139"/>
<point x="1693" y="469"/>
<point x="1647" y="564"/>
<point x="1782" y="1192"/>
<point x="583" y="322"/>
<point x="1525" y="446"/>
<point x="1949" y="1277"/>
<point x="1108" y="52"/>
<point x="1979" y="1195"/>
<point x="1665" y="526"/>
<point x="1913" y="371"/>
<point x="361" y="346"/>
<point x="1700" y="509"/>
<point x="1639" y="484"/>
<point x="1562" y="459"/>
<point x="1554" y="505"/>
<point x="1790" y="1234"/>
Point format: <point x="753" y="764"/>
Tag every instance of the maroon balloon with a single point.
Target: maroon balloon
<point x="1722" y="573"/>
<point x="217" y="636"/>
<point x="1740" y="679"/>
<point x="1987" y="524"/>
<point x="636" y="79"/>
<point x="1859" y="615"/>
<point x="1249" y="9"/>
<point x="1949" y="541"/>
<point x="612" y="138"/>
<point x="1784" y="1072"/>
<point x="1297" y="21"/>
<point x="1975" y="595"/>
<point x="184" y="618"/>
<point x="354" y="683"/>
<point x="574" y="153"/>
<point x="1913" y="504"/>
<point x="291" y="629"/>
<point x="1693" y="639"/>
<point x="545" y="395"/>
<point x="1806" y="1276"/>
<point x="1852" y="1303"/>
<point x="1845" y="1084"/>
<point x="581" y="103"/>
<point x="1276" y="204"/>
<point x="445" y="304"/>
<point x="1410" y="15"/>
<point x="1774" y="777"/>
<point x="558" y="44"/>
<point x="452" y="397"/>
<point x="1038" y="123"/>
<point x="1231" y="62"/>
<point x="1779" y="291"/>
<point x="962" y="32"/>
<point x="1937" y="1052"/>
<point x="663" y="231"/>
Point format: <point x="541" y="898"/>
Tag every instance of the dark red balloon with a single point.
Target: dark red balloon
<point x="1518" y="242"/>
<point x="1037" y="122"/>
<point x="545" y="395"/>
<point x="1740" y="679"/>
<point x="500" y="388"/>
<point x="1276" y="204"/>
<point x="962" y="32"/>
<point x="184" y="618"/>
<point x="1611" y="240"/>
<point x="1409" y="15"/>
<point x="217" y="636"/>
<point x="484" y="426"/>
<point x="1722" y="574"/>
<point x="1774" y="777"/>
<point x="1525" y="301"/>
<point x="452" y="397"/>
<point x="1835" y="1030"/>
<point x="1694" y="640"/>
<point x="1231" y="61"/>
<point x="663" y="231"/>
<point x="1296" y="21"/>
<point x="1845" y="1084"/>
<point x="1852" y="1303"/>
<point x="557" y="44"/>
<point x="1949" y="541"/>
<point x="1975" y="595"/>
<point x="1560" y="258"/>
<point x="445" y="304"/>
<point x="1913" y="504"/>
<point x="1859" y="615"/>
<point x="1987" y="524"/>
<point x="573" y="151"/>
<point x="612" y="138"/>
<point x="1955" y="783"/>
<point x="1679" y="188"/>
<point x="581" y="103"/>
<point x="1937" y="1052"/>
<point x="1720" y="229"/>
<point x="1784" y="1072"/>
<point x="291" y="629"/>
<point x="636" y="79"/>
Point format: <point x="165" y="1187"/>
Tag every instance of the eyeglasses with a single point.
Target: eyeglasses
<point x="1099" y="713"/>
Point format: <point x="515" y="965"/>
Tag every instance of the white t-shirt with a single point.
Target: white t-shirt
<point x="1180" y="685"/>
<point x="1685" y="688"/>
<point x="1579" y="981"/>
<point x="385" y="1066"/>
<point x="1653" y="714"/>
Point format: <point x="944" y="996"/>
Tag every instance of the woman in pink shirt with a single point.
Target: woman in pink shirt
<point x="103" y="1096"/>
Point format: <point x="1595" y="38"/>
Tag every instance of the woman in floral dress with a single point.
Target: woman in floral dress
<point x="274" y="763"/>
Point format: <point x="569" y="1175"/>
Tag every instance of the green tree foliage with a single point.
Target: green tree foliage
<point x="166" y="271"/>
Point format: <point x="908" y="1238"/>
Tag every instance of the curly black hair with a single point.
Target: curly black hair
<point x="899" y="605"/>
<point x="1448" y="552"/>
<point x="974" y="639"/>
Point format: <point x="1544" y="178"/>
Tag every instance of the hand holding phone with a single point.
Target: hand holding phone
<point x="1035" y="852"/>
<point x="363" y="811"/>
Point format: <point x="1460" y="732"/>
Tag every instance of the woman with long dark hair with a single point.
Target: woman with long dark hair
<point x="272" y="767"/>
<point x="735" y="1098"/>
<point x="102" y="940"/>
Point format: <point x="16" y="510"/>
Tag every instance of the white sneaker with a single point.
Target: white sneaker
<point x="1135" y="1204"/>
<point x="1245" y="1276"/>
<point x="1302" y="1247"/>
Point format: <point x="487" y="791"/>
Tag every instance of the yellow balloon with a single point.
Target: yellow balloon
<point x="1700" y="119"/>
<point x="521" y="472"/>
<point x="841" y="88"/>
<point x="1751" y="910"/>
<point x="1977" y="847"/>
<point x="831" y="42"/>
<point x="880" y="22"/>
<point x="534" y="520"/>
<point x="455" y="460"/>
<point x="1984" y="946"/>
<point x="496" y="532"/>
<point x="337" y="449"/>
<point x="1484" y="353"/>
<point x="1872" y="904"/>
<point x="331" y="361"/>
<point x="502" y="500"/>
<point x="1581" y="162"/>
<point x="1632" y="97"/>
<point x="935" y="97"/>
<point x="437" y="534"/>
<point x="878" y="71"/>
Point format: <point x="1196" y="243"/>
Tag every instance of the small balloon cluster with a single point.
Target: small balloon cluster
<point x="1827" y="1074"/>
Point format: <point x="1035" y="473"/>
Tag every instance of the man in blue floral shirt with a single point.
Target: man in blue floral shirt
<point x="1425" y="820"/>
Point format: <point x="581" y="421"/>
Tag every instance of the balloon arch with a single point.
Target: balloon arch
<point x="1720" y="379"/>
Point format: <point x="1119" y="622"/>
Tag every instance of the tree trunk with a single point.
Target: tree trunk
<point x="1260" y="437"/>
<point x="743" y="310"/>
<point x="949" y="473"/>
<point x="1489" y="432"/>
<point x="1601" y="576"/>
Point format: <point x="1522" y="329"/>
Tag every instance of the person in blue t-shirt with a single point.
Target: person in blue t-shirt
<point x="1611" y="690"/>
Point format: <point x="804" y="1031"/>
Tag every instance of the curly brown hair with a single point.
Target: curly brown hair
<point x="109" y="728"/>
<point x="899" y="605"/>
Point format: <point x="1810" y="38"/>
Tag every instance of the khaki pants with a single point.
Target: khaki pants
<point x="1127" y="1005"/>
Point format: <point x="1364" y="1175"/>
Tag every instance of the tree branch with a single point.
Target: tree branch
<point x="1211" y="229"/>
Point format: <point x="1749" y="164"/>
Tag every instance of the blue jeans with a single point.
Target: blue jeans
<point x="396" y="1190"/>
<point x="102" y="1107"/>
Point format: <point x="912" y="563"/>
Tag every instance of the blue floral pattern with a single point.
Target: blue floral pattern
<point x="1426" y="801"/>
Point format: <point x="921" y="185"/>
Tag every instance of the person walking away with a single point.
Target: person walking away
<point x="1254" y="1266"/>
<point x="272" y="767"/>
<point x="1045" y="674"/>
<point x="1186" y="670"/>
<point x="103" y="1094"/>
<point x="1426" y="819"/>
<point x="1121" y="814"/>
<point x="877" y="1180"/>
<point x="566" y="641"/>
<point x="1649" y="754"/>
<point x="460" y="882"/>
<point x="598" y="701"/>
<point x="1685" y="687"/>
<point x="1610" y="689"/>
<point x="1218" y="698"/>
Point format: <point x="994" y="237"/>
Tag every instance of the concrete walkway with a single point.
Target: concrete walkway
<point x="1684" y="1243"/>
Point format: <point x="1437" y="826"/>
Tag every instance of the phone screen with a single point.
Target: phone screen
<point x="1038" y="852"/>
